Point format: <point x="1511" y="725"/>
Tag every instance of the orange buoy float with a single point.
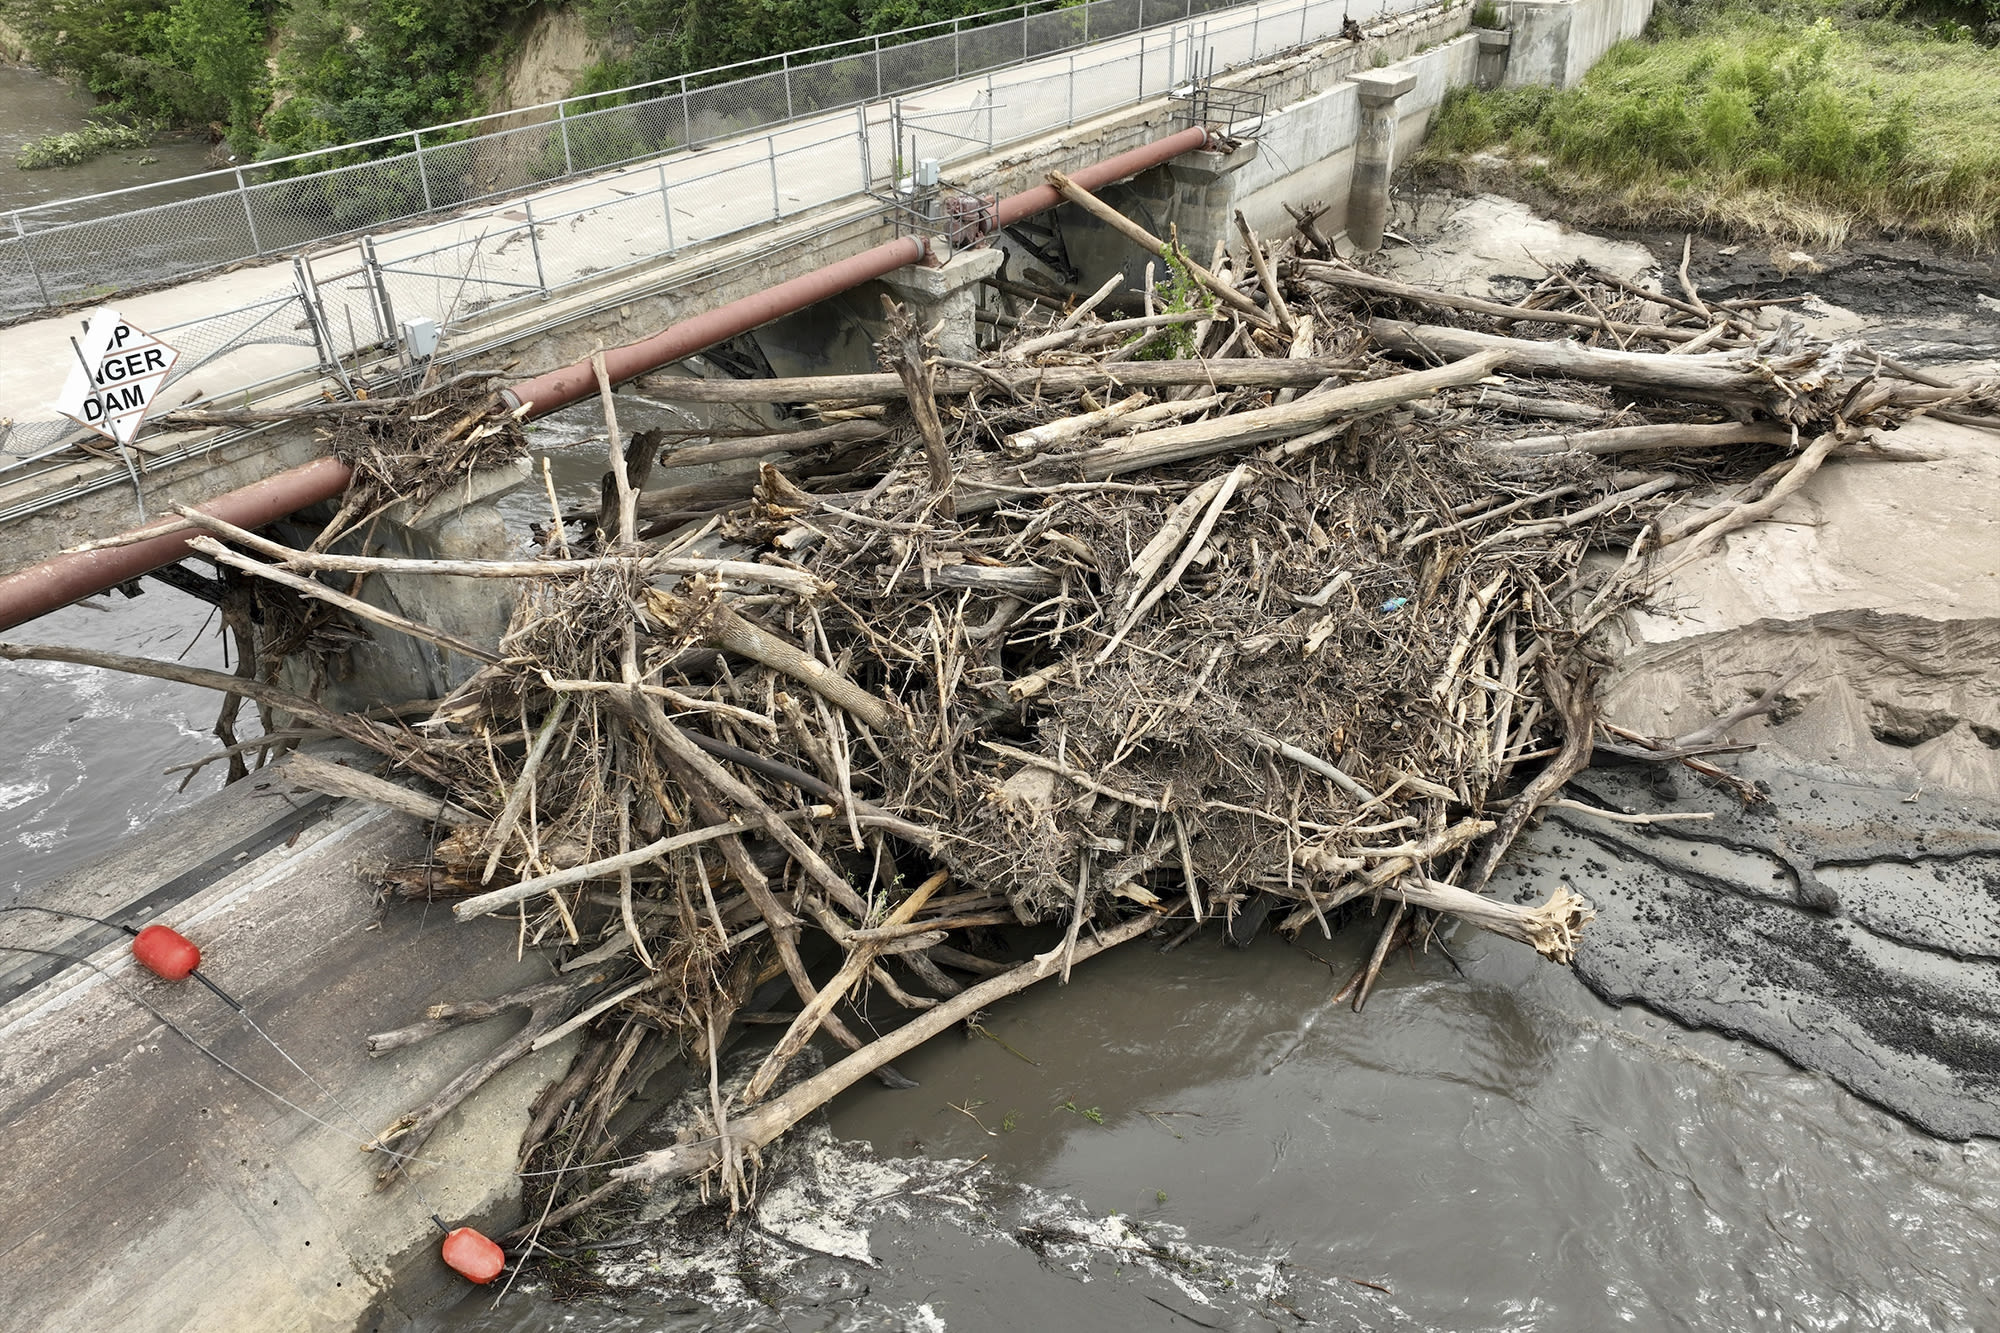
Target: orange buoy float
<point x="166" y="953"/>
<point x="473" y="1257"/>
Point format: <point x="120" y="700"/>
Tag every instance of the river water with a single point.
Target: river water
<point x="35" y="104"/>
<point x="1493" y="1151"/>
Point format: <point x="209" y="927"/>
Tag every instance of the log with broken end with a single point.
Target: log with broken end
<point x="795" y="1104"/>
<point x="1242" y="372"/>
<point x="1176" y="444"/>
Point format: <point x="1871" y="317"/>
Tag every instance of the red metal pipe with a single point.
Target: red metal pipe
<point x="1099" y="174"/>
<point x="558" y="388"/>
<point x="57" y="582"/>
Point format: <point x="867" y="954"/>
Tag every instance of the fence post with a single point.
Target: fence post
<point x="667" y="207"/>
<point x="535" y="244"/>
<point x="687" y="116"/>
<point x="329" y="356"/>
<point x="562" y="119"/>
<point x="1085" y="7"/>
<point x="771" y="156"/>
<point x="1142" y="55"/>
<point x="957" y="52"/>
<point x="878" y="66"/>
<point x="867" y="152"/>
<point x="1072" y="91"/>
<point x="1256" y="24"/>
<point x="243" y="193"/>
<point x="989" y="112"/>
<point x="1024" y="32"/>
<point x="422" y="174"/>
<point x="1305" y="6"/>
<point x="28" y="252"/>
<point x="304" y="285"/>
<point x="785" y="63"/>
<point x="378" y="293"/>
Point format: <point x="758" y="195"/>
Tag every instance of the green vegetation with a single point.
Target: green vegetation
<point x="1093" y="1114"/>
<point x="284" y="76"/>
<point x="1180" y="294"/>
<point x="360" y="69"/>
<point x="1794" y="124"/>
<point x="66" y="150"/>
<point x="1486" y="14"/>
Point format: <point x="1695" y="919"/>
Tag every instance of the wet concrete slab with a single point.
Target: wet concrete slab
<point x="150" y="1187"/>
<point x="1842" y="924"/>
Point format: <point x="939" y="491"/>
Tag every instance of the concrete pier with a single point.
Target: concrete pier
<point x="1374" y="155"/>
<point x="948" y="297"/>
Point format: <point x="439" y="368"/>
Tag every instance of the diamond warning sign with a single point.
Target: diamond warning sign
<point x="119" y="369"/>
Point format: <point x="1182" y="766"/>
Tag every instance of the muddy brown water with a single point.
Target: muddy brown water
<point x="33" y="105"/>
<point x="37" y="105"/>
<point x="1491" y="1150"/>
<point x="1498" y="1150"/>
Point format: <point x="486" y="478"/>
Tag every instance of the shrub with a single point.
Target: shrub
<point x="67" y="150"/>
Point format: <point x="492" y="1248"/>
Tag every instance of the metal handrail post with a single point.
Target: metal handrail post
<point x="1142" y="52"/>
<point x="562" y="120"/>
<point x="989" y="113"/>
<point x="423" y="175"/>
<point x="21" y="235"/>
<point x="378" y="293"/>
<point x="687" y="116"/>
<point x="667" y="208"/>
<point x="300" y="280"/>
<point x="1072" y="92"/>
<point x="1305" y="7"/>
<point x="867" y="150"/>
<point x="243" y="193"/>
<point x="1085" y="7"/>
<point x="771" y="156"/>
<point x="957" y="52"/>
<point x="1024" y="32"/>
<point x="785" y="63"/>
<point x="1256" y="25"/>
<point x="535" y="244"/>
<point x="878" y="66"/>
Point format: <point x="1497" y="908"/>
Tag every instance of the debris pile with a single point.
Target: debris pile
<point x="1263" y="603"/>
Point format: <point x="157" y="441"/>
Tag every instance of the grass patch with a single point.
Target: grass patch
<point x="67" y="150"/>
<point x="1798" y="126"/>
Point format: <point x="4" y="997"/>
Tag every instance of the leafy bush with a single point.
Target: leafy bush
<point x="67" y="150"/>
<point x="1763" y="106"/>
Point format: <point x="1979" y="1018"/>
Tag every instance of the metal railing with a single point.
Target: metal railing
<point x="345" y="307"/>
<point x="64" y="251"/>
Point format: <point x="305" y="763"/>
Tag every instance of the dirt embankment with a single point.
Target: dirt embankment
<point x="555" y="49"/>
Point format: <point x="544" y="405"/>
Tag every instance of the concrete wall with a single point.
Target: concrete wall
<point x="1284" y="170"/>
<point x="1557" y="41"/>
<point x="1304" y="150"/>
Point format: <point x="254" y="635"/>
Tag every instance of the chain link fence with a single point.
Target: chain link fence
<point x="150" y="234"/>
